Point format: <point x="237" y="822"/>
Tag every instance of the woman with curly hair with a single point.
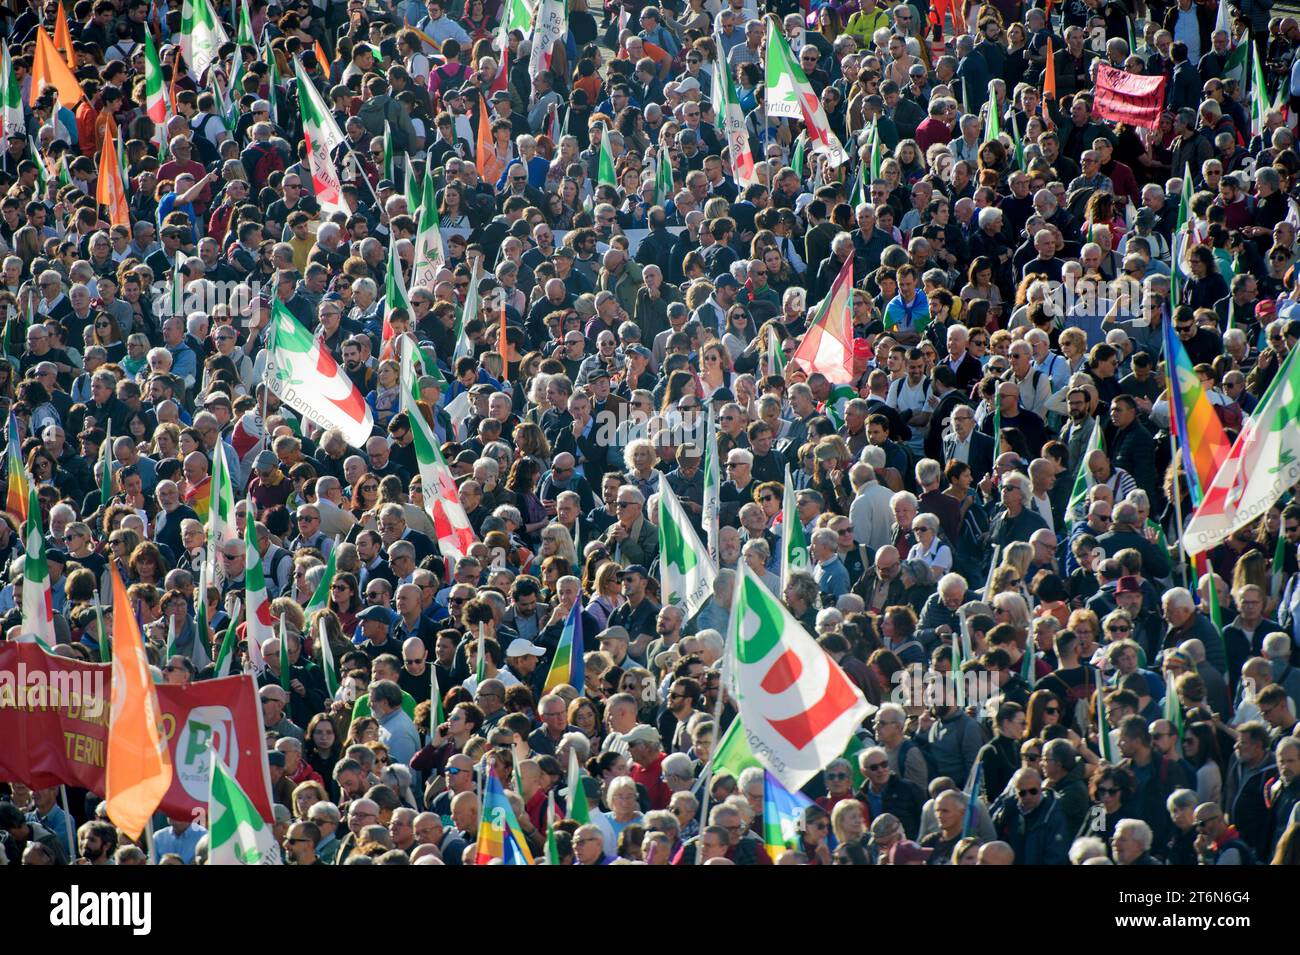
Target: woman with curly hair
<point x="1112" y="789"/>
<point x="146" y="565"/>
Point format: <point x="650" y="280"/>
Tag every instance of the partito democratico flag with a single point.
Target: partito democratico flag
<point x="308" y="379"/>
<point x="798" y="707"/>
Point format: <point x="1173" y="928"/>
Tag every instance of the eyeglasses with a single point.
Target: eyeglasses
<point x="1029" y="792"/>
<point x="1108" y="790"/>
<point x="1031" y="758"/>
<point x="1052" y="710"/>
<point x="836" y="777"/>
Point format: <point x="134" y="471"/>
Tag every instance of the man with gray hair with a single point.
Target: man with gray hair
<point x="1131" y="844"/>
<point x="1016" y="522"/>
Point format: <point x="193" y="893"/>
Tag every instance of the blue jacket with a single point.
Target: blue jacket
<point x="1040" y="838"/>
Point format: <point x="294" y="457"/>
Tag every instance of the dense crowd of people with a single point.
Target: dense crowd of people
<point x="995" y="479"/>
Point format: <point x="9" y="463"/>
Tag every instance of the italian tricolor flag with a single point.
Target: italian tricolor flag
<point x="155" y="101"/>
<point x="441" y="497"/>
<point x="322" y="135"/>
<point x="261" y="625"/>
<point x="827" y="346"/>
<point x="731" y="123"/>
<point x="428" y="238"/>
<point x="790" y="94"/>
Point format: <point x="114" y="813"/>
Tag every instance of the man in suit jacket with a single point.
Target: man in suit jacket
<point x="393" y="527"/>
<point x="965" y="367"/>
<point x="943" y="386"/>
<point x="582" y="440"/>
<point x="964" y="443"/>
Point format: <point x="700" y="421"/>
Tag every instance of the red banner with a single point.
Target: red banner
<point x="1123" y="97"/>
<point x="54" y="729"/>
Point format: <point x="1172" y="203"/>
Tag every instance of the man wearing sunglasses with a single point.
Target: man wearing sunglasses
<point x="1029" y="820"/>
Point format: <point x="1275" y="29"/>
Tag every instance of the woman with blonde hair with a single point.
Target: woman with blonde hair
<point x="556" y="541"/>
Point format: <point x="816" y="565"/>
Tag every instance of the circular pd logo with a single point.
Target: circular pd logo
<point x="205" y="727"/>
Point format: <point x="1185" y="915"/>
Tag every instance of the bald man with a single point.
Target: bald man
<point x="996" y="853"/>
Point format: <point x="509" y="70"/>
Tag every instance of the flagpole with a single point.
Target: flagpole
<point x="708" y="772"/>
<point x="1178" y="494"/>
<point x="1176" y="461"/>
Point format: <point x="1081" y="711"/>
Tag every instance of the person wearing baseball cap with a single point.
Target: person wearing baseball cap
<point x="522" y="659"/>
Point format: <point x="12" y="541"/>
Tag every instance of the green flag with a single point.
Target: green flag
<point x="731" y="754"/>
<point x="106" y="484"/>
<point x="552" y="847"/>
<point x="578" y="809"/>
<point x="1077" y="509"/>
<point x="237" y="833"/>
<point x="794" y="545"/>
<point x="104" y="638"/>
<point x="1180" y="226"/>
<point x="331" y="670"/>
<point x="284" y="657"/>
<point x="1173" y="708"/>
<point x="663" y="179"/>
<point x="992" y="122"/>
<point x="226" y="655"/>
<point x="605" y="175"/>
<point x="686" y="572"/>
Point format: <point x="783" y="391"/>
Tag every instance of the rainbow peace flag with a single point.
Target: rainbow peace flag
<point x="499" y="835"/>
<point x="16" y="499"/>
<point x="1192" y="418"/>
<point x="567" y="664"/>
<point x="782" y="815"/>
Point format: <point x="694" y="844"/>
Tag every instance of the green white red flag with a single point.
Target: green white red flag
<point x="451" y="524"/>
<point x="731" y="123"/>
<point x="322" y="135"/>
<point x="798" y="707"/>
<point x="790" y="94"/>
<point x="827" y="346"/>
<point x="308" y="379"/>
<point x="1263" y="463"/>
<point x="261" y="625"/>
<point x="12" y="119"/>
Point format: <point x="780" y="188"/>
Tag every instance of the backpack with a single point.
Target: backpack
<point x="269" y="160"/>
<point x="904" y="748"/>
<point x="1248" y="856"/>
<point x="395" y="113"/>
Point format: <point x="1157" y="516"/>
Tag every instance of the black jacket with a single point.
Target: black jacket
<point x="902" y="799"/>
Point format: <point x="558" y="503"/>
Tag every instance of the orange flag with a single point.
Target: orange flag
<point x="50" y="69"/>
<point x="138" y="771"/>
<point x="501" y="335"/>
<point x="1049" y="75"/>
<point x="485" y="150"/>
<point x="110" y="191"/>
<point x="63" y="37"/>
